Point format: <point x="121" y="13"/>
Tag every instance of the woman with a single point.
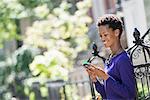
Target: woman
<point x="118" y="74"/>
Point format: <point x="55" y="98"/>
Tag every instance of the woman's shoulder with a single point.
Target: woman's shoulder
<point x="124" y="62"/>
<point x="123" y="58"/>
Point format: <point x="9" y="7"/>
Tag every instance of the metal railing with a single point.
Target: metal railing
<point x="140" y="56"/>
<point x="63" y="90"/>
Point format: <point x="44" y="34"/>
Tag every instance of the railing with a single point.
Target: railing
<point x="63" y="90"/>
<point x="140" y="56"/>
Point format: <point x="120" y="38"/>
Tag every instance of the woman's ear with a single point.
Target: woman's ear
<point x="117" y="32"/>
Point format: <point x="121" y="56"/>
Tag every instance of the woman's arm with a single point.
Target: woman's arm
<point x="100" y="89"/>
<point x="125" y="88"/>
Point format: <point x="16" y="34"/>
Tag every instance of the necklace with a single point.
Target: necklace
<point x="107" y="62"/>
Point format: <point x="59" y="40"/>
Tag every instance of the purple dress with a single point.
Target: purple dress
<point x="121" y="83"/>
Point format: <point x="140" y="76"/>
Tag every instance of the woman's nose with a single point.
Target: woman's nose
<point x="102" y="38"/>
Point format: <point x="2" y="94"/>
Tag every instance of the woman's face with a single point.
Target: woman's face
<point x="108" y="36"/>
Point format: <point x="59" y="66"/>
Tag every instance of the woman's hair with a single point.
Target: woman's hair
<point x="112" y="21"/>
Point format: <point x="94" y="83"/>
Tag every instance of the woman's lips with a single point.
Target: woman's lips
<point x="105" y="42"/>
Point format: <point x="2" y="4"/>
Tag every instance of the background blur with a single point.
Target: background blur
<point x="46" y="41"/>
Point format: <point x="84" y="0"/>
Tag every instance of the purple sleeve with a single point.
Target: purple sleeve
<point x="125" y="88"/>
<point x="100" y="89"/>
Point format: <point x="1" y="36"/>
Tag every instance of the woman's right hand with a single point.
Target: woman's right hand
<point x="95" y="71"/>
<point x="92" y="75"/>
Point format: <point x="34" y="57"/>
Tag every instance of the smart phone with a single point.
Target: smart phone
<point x="86" y="64"/>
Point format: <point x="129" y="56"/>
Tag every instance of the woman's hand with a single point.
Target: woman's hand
<point x="92" y="75"/>
<point x="98" y="72"/>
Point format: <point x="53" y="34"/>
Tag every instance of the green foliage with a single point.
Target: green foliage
<point x="14" y="71"/>
<point x="62" y="35"/>
<point x="12" y="10"/>
<point x="142" y="90"/>
<point x="71" y="92"/>
<point x="29" y="5"/>
<point x="8" y="28"/>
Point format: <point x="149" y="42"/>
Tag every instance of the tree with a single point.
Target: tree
<point x="61" y="35"/>
<point x="55" y="31"/>
<point x="14" y="10"/>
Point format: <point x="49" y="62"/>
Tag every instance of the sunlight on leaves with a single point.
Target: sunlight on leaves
<point x="62" y="36"/>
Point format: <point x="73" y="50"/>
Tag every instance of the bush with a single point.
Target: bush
<point x="14" y="70"/>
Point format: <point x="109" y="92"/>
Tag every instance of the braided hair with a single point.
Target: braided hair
<point x="112" y="21"/>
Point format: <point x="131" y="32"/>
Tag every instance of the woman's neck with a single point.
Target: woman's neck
<point x="116" y="49"/>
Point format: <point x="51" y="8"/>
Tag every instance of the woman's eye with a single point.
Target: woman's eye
<point x="105" y="35"/>
<point x="100" y="36"/>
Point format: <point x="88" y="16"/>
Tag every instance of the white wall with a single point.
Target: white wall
<point x="98" y="8"/>
<point x="134" y="15"/>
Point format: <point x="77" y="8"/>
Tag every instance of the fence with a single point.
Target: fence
<point x="62" y="90"/>
<point x="140" y="56"/>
